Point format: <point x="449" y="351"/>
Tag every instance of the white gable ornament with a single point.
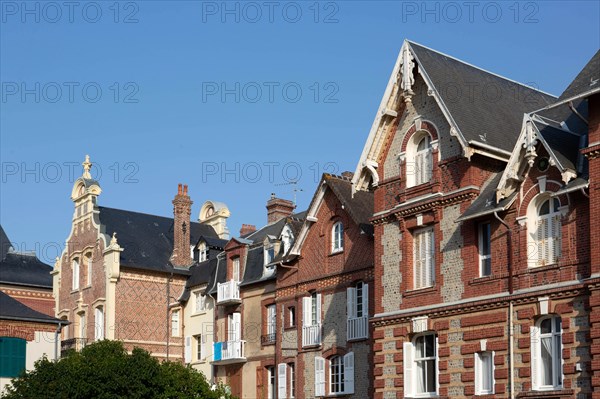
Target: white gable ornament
<point x="407" y="64"/>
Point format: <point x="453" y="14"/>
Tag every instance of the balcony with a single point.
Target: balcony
<point x="228" y="293"/>
<point x="76" y="344"/>
<point x="311" y="335"/>
<point x="268" y="339"/>
<point x="229" y="352"/>
<point x="358" y="328"/>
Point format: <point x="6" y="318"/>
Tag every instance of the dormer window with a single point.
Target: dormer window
<point x="269" y="254"/>
<point x="337" y="237"/>
<point x="419" y="151"/>
<point x="236" y="269"/>
<point x="202" y="252"/>
<point x="287" y="238"/>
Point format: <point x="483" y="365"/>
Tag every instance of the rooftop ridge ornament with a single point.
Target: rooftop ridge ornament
<point x="530" y="143"/>
<point x="87" y="165"/>
<point x="407" y="64"/>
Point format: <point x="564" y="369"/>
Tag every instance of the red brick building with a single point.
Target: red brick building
<point x="324" y="298"/>
<point x="486" y="202"/>
<point x="123" y="274"/>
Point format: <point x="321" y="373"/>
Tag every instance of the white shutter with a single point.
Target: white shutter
<point x="556" y="237"/>
<point x="235" y="326"/>
<point x="365" y="300"/>
<point x="437" y="367"/>
<point x="478" y="373"/>
<point x="319" y="376"/>
<point x="349" y="373"/>
<point x="535" y="350"/>
<point x="188" y="349"/>
<point x="318" y="308"/>
<point x="429" y="165"/>
<point x="418" y="267"/>
<point x="430" y="258"/>
<point x="351" y="302"/>
<point x="407" y="353"/>
<point x="306" y="312"/>
<point x="202" y="346"/>
<point x="281" y="380"/>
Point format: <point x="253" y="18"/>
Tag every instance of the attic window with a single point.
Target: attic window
<point x="269" y="254"/>
<point x="202" y="252"/>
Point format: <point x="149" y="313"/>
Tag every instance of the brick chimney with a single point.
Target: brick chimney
<point x="278" y="208"/>
<point x="348" y="175"/>
<point x="247" y="229"/>
<point x="182" y="209"/>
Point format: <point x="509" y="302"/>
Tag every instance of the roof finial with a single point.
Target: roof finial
<point x="113" y="240"/>
<point x="87" y="165"/>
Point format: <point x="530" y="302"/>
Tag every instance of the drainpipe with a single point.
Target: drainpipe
<point x="510" y="307"/>
<point x="168" y="307"/>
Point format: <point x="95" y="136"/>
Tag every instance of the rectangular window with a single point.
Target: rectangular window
<point x="200" y="302"/>
<point x="357" y="311"/>
<point x="420" y="366"/>
<point x="75" y="274"/>
<point x="236" y="269"/>
<point x="484" y="373"/>
<point x="271" y="380"/>
<point x="546" y="354"/>
<point x="485" y="249"/>
<point x="313" y="308"/>
<point x="175" y="323"/>
<point x="271" y="320"/>
<point x="89" y="270"/>
<point x="291" y="316"/>
<point x="292" y="368"/>
<point x="199" y="348"/>
<point x="99" y="323"/>
<point x="424" y="259"/>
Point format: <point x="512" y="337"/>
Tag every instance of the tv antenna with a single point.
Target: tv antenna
<point x="296" y="189"/>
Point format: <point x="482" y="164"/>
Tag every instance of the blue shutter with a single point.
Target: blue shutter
<point x="12" y="356"/>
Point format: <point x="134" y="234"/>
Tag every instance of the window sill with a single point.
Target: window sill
<point x="483" y="280"/>
<point x="290" y="328"/>
<point x="336" y="252"/>
<point x="547" y="394"/>
<point x="419" y="291"/>
<point x="535" y="269"/>
<point x="198" y="362"/>
<point x="198" y="313"/>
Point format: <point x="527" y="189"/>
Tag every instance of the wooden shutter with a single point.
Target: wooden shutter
<point x="556" y="237"/>
<point x="351" y="302"/>
<point x="319" y="376"/>
<point x="430" y="258"/>
<point x="535" y="356"/>
<point x="418" y="267"/>
<point x="281" y="380"/>
<point x="188" y="349"/>
<point x="478" y="373"/>
<point x="349" y="373"/>
<point x="407" y="354"/>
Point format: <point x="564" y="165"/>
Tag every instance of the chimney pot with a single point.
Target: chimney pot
<point x="247" y="229"/>
<point x="179" y="189"/>
<point x="278" y="208"/>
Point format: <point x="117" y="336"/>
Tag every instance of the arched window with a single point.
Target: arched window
<point x="419" y="159"/>
<point x="545" y="231"/>
<point x="337" y="237"/>
<point x="546" y="353"/>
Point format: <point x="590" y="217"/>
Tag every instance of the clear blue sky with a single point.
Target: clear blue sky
<point x="162" y="116"/>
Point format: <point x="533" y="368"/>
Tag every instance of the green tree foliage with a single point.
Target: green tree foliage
<point x="105" y="370"/>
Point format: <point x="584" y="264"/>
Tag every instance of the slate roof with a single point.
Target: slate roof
<point x="5" y="243"/>
<point x="11" y="309"/>
<point x="563" y="145"/>
<point x="22" y="268"/>
<point x="214" y="242"/>
<point x="25" y="269"/>
<point x="485" y="203"/>
<point x="494" y="107"/>
<point x="147" y="240"/>
<point x="587" y="80"/>
<point x="360" y="207"/>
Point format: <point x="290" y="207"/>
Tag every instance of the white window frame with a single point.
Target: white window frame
<point x="271" y="382"/>
<point x="419" y="164"/>
<point x="200" y="302"/>
<point x="271" y="319"/>
<point x="481" y="371"/>
<point x="82" y="326"/>
<point x="537" y="365"/>
<point x="269" y="254"/>
<point x="99" y="323"/>
<point x="235" y="274"/>
<point x="337" y="237"/>
<point x="544" y="238"/>
<point x="89" y="269"/>
<point x="483" y="229"/>
<point x="291" y="316"/>
<point x="202" y="252"/>
<point x="336" y="375"/>
<point x="199" y="338"/>
<point x="410" y="362"/>
<point x="175" y="323"/>
<point x="292" y="380"/>
<point x="75" y="276"/>
<point x="424" y="258"/>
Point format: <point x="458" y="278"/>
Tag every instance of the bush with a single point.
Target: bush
<point x="104" y="369"/>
